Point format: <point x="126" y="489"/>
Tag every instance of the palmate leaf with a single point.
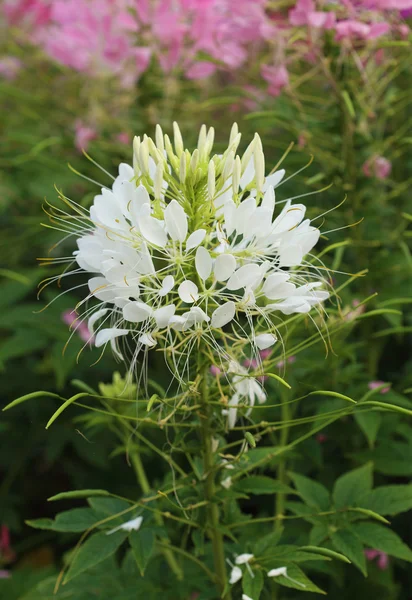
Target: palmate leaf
<point x="75" y="520"/>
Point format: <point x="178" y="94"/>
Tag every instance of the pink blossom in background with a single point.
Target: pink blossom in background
<point x="124" y="138"/>
<point x="377" y="166"/>
<point x="281" y="364"/>
<point x="276" y="76"/>
<point x="372" y="385"/>
<point x="4" y="574"/>
<point x="10" y="67"/>
<point x="214" y="370"/>
<point x="80" y="327"/>
<point x="6" y="551"/>
<point x="27" y="12"/>
<point x="383" y="559"/>
<point x="358" y="309"/>
<point x="83" y="135"/>
<point x="304" y="13"/>
<point x="353" y="29"/>
<point x="321" y="438"/>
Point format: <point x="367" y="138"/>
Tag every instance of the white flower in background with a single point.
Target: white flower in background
<point x="236" y="572"/>
<point x="133" y="525"/>
<point x="246" y="597"/>
<point x="246" y="389"/>
<point x="282" y="571"/>
<point x="187" y="246"/>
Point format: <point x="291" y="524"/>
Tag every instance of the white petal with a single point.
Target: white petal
<point x="95" y="317"/>
<point x="269" y="199"/>
<point x="290" y="256"/>
<point x="195" y="239"/>
<point x="203" y="263"/>
<point x="177" y="322"/>
<point x="195" y="316"/>
<point x="274" y="179"/>
<point x="147" y="340"/>
<point x="135" y="206"/>
<point x="225" y="265"/>
<point x="176" y="221"/>
<point x="232" y="412"/>
<point x="226" y="483"/>
<point x="243" y="277"/>
<point x="243" y="213"/>
<point x="153" y="231"/>
<point x="188" y="292"/>
<point x="133" y="525"/>
<point x="167" y="285"/>
<point x="276" y="572"/>
<point x="136" y="312"/>
<point x="106" y="335"/>
<point x="163" y="315"/>
<point x="243" y="558"/>
<point x="101" y="289"/>
<point x="235" y="575"/>
<point x="264" y="340"/>
<point x="246" y="597"/>
<point x="223" y="314"/>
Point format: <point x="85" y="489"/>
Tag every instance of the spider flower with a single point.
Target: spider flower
<point x="187" y="247"/>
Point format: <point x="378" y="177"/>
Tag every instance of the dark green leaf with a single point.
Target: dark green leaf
<point x="98" y="547"/>
<point x="388" y="499"/>
<point x="252" y="586"/>
<point x="142" y="543"/>
<point x="379" y="537"/>
<point x="352" y="485"/>
<point x="369" y="422"/>
<point x="76" y="520"/>
<point x="313" y="493"/>
<point x="346" y="542"/>
<point x="267" y="541"/>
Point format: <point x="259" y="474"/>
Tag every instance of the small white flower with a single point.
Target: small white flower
<point x="235" y="575"/>
<point x="282" y="571"/>
<point x="241" y="559"/>
<point x="246" y="597"/>
<point x="133" y="525"/>
<point x="226" y="483"/>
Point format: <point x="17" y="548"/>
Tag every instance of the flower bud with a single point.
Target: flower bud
<point x="179" y="148"/>
<point x="211" y="180"/>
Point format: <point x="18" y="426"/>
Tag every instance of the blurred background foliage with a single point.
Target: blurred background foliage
<point x="341" y="119"/>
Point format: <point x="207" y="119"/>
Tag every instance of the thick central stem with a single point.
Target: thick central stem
<point x="281" y="470"/>
<point x="212" y="508"/>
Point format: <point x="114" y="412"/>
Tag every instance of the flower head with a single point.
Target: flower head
<point x="186" y="246"/>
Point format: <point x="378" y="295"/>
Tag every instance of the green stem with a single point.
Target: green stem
<point x="280" y="500"/>
<point x="212" y="510"/>
<point x="145" y="485"/>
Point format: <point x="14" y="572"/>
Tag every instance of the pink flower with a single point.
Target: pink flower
<point x="353" y="29"/>
<point x="276" y="76"/>
<point x="83" y="135"/>
<point x="6" y="552"/>
<point x="10" y="67"/>
<point x="372" y="385"/>
<point x="358" y="309"/>
<point x="214" y="370"/>
<point x="4" y="574"/>
<point x="281" y="364"/>
<point x="383" y="559"/>
<point x="304" y="13"/>
<point x="80" y="327"/>
<point x="377" y="166"/>
<point x="123" y="138"/>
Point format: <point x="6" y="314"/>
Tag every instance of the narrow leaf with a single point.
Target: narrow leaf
<point x="78" y="494"/>
<point x="142" y="543"/>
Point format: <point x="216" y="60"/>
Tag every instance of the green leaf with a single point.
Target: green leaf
<point x="98" y="547"/>
<point x="252" y="586"/>
<point x="346" y="542"/>
<point x="318" y="534"/>
<point x="78" y="494"/>
<point x="313" y="493"/>
<point x="266" y="542"/>
<point x="297" y="580"/>
<point x="352" y="485"/>
<point x="381" y="538"/>
<point x="370" y="514"/>
<point x="388" y="499"/>
<point x="369" y="423"/>
<point x="333" y="394"/>
<point x="76" y="520"/>
<point x="142" y="543"/>
<point x="259" y="484"/>
<point x="326" y="552"/>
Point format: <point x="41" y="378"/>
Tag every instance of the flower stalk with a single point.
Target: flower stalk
<point x="212" y="509"/>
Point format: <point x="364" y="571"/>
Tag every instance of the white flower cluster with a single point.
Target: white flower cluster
<point x="184" y="244"/>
